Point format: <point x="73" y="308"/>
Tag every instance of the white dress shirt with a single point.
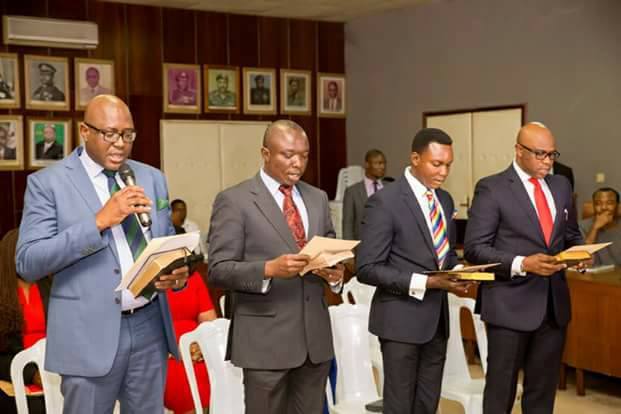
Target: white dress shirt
<point x="418" y="282"/>
<point x="516" y="265"/>
<point x="126" y="259"/>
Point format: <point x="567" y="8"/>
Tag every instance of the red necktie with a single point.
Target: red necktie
<point x="543" y="210"/>
<point x="292" y="215"/>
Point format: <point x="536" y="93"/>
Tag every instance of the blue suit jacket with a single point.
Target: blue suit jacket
<point x="58" y="236"/>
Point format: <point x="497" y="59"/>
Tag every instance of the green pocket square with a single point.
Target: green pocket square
<point x="162" y="203"/>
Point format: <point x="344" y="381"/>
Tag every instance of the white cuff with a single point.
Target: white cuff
<point x="516" y="266"/>
<point x="267" y="283"/>
<point x="418" y="286"/>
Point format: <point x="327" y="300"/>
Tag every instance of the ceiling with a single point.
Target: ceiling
<point x="329" y="10"/>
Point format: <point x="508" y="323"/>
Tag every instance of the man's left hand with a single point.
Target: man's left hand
<point x="176" y="280"/>
<point x="332" y="275"/>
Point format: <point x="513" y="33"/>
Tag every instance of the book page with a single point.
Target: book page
<point x="465" y="269"/>
<point x="589" y="248"/>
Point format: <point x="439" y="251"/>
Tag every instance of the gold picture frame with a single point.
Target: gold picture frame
<point x="182" y="88"/>
<point x="10" y="96"/>
<point x="260" y="91"/>
<point x="335" y="106"/>
<point x="92" y="77"/>
<point x="295" y="92"/>
<point x="50" y="91"/>
<point x="40" y="157"/>
<point x="11" y="142"/>
<point x="222" y="88"/>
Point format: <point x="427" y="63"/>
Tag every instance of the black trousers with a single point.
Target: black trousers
<point x="413" y="374"/>
<point x="538" y="353"/>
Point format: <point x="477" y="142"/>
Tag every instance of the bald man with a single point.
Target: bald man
<point x="521" y="218"/>
<point x="79" y="224"/>
<point x="280" y="328"/>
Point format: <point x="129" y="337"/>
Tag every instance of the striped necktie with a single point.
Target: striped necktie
<point x="439" y="236"/>
<point x="131" y="227"/>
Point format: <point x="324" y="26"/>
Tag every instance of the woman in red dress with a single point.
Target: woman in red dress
<point x="188" y="307"/>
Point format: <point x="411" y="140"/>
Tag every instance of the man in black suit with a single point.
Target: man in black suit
<point x="521" y="218"/>
<point x="409" y="311"/>
<point x="564" y="170"/>
<point x="49" y="149"/>
<point x="356" y="195"/>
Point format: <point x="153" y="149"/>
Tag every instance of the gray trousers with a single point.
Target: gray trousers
<point x="137" y="376"/>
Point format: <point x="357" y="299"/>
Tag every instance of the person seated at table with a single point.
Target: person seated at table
<point x="604" y="226"/>
<point x="23" y="306"/>
<point x="188" y="307"/>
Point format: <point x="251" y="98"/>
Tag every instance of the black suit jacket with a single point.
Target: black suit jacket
<point x="55" y="152"/>
<point x="565" y="171"/>
<point x="503" y="224"/>
<point x="396" y="243"/>
<point x="353" y="209"/>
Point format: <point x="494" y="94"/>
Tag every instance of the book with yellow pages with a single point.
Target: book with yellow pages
<point x="579" y="253"/>
<point x="326" y="252"/>
<point x="473" y="273"/>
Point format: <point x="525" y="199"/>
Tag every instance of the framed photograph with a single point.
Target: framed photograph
<point x="9" y="81"/>
<point x="11" y="142"/>
<point x="92" y="77"/>
<point x="260" y="91"/>
<point x="182" y="88"/>
<point x="49" y="140"/>
<point x="47" y="82"/>
<point x="295" y="92"/>
<point x="331" y="95"/>
<point x="222" y="88"/>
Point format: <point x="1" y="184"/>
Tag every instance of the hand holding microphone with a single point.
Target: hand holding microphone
<point x="127" y="175"/>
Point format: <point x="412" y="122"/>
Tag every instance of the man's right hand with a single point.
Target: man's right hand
<point x="286" y="266"/>
<point x="603" y="219"/>
<point x="448" y="282"/>
<point x="129" y="200"/>
<point x="542" y="265"/>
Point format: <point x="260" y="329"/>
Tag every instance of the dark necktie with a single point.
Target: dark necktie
<point x="375" y="186"/>
<point x="131" y="227"/>
<point x="543" y="210"/>
<point x="292" y="215"/>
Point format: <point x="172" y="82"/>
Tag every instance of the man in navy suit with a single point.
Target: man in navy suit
<point x="521" y="218"/>
<point x="79" y="224"/>
<point x="408" y="230"/>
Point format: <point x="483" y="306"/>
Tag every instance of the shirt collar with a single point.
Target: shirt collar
<point x="370" y="181"/>
<point x="524" y="176"/>
<point x="418" y="187"/>
<point x="272" y="185"/>
<point x="92" y="168"/>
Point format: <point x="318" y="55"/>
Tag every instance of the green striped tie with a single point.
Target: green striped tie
<point x="131" y="227"/>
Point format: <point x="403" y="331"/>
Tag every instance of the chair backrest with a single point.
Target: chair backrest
<point x="351" y="345"/>
<point x="456" y="366"/>
<point x="361" y="293"/>
<point x="50" y="381"/>
<point x="227" y="390"/>
<point x="347" y="176"/>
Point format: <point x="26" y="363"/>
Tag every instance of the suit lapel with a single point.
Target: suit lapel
<point x="361" y="193"/>
<point x="145" y="180"/>
<point x="523" y="200"/>
<point x="410" y="200"/>
<point x="272" y="212"/>
<point x="558" y="204"/>
<point x="312" y="209"/>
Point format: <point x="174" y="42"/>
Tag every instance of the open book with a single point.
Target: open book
<point x="326" y="252"/>
<point x="577" y="254"/>
<point x="159" y="256"/>
<point x="468" y="272"/>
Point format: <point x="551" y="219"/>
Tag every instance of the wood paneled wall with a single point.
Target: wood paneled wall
<point x="139" y="39"/>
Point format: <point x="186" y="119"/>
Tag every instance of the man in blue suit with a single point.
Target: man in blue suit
<point x="79" y="224"/>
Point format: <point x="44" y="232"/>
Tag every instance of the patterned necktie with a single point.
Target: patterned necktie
<point x="292" y="215"/>
<point x="439" y="236"/>
<point x="131" y="227"/>
<point x="543" y="210"/>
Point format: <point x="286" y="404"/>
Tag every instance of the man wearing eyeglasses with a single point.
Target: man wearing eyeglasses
<point x="79" y="224"/>
<point x="521" y="218"/>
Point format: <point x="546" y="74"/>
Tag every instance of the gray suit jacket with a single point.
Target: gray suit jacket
<point x="58" y="236"/>
<point x="278" y="329"/>
<point x="353" y="209"/>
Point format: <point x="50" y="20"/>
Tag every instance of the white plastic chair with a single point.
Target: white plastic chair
<point x="457" y="384"/>
<point x="50" y="381"/>
<point x="347" y="176"/>
<point x="227" y="389"/>
<point x="355" y="386"/>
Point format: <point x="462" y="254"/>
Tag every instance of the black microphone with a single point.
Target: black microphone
<point x="127" y="175"/>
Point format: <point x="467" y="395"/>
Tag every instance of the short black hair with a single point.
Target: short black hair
<point x="372" y="153"/>
<point x="176" y="202"/>
<point x="606" y="190"/>
<point x="426" y="136"/>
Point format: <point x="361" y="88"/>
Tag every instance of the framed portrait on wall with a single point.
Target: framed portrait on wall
<point x="11" y="142"/>
<point x="92" y="77"/>
<point x="222" y="88"/>
<point x="182" y="88"/>
<point x="260" y="91"/>
<point x="46" y="82"/>
<point x="49" y="140"/>
<point x="9" y="81"/>
<point x="295" y="92"/>
<point x="331" y="95"/>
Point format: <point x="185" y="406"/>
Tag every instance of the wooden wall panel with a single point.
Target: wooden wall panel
<point x="139" y="39"/>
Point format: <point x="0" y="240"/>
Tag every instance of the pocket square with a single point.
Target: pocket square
<point x="162" y="203"/>
<point x="566" y="214"/>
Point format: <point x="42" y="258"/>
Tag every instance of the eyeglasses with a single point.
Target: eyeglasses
<point x="541" y="154"/>
<point x="111" y="136"/>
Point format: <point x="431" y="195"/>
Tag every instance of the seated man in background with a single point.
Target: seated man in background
<point x="181" y="223"/>
<point x="604" y="226"/>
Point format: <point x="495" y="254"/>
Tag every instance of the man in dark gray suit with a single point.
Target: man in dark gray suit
<point x="521" y="218"/>
<point x="408" y="230"/>
<point x="280" y="329"/>
<point x="356" y="195"/>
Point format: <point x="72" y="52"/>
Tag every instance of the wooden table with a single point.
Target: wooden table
<point x="594" y="333"/>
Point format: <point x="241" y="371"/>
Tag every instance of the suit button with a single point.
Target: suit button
<point x="117" y="301"/>
<point x="117" y="271"/>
